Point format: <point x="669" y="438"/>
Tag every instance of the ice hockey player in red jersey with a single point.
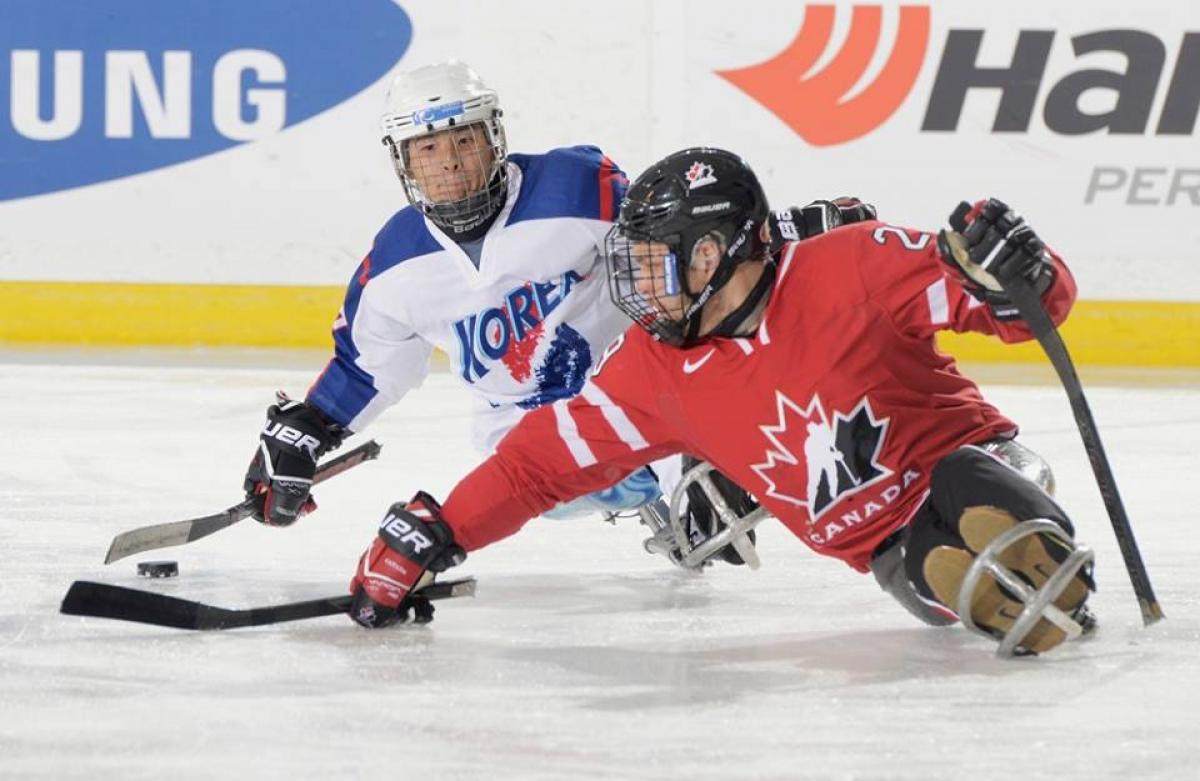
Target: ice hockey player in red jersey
<point x="811" y="378"/>
<point x="498" y="261"/>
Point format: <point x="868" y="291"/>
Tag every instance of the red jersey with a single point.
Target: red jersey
<point x="832" y="414"/>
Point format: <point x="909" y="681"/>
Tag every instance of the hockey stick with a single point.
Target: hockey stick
<point x="166" y="535"/>
<point x="1030" y="306"/>
<point x="101" y="600"/>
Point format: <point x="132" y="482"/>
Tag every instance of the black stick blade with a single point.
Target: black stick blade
<point x="101" y="600"/>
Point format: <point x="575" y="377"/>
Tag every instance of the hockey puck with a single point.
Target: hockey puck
<point x="158" y="569"/>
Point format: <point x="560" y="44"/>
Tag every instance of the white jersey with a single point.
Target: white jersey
<point x="522" y="330"/>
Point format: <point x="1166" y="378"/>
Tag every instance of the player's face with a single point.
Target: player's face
<point x="451" y="164"/>
<point x="656" y="275"/>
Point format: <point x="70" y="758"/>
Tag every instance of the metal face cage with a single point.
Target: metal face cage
<point x="456" y="176"/>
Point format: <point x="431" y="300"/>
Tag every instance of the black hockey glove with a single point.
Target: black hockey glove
<point x="799" y="223"/>
<point x="989" y="245"/>
<point x="280" y="475"/>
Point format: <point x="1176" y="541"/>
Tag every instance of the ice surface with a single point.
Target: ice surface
<point x="582" y="656"/>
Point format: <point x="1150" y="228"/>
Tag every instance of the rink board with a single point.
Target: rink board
<point x="170" y="169"/>
<point x="1102" y="333"/>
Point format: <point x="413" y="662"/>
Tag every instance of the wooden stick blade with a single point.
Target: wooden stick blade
<point x="166" y="535"/>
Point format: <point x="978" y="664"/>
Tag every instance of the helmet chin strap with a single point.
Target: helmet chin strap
<point x="694" y="313"/>
<point x="739" y="249"/>
<point x="731" y="324"/>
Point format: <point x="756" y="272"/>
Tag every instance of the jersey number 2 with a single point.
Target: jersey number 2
<point x="882" y="232"/>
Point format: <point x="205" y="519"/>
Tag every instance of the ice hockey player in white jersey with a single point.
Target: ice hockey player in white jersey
<point x="499" y="262"/>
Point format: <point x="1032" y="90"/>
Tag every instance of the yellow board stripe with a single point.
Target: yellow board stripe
<point x="1103" y="333"/>
<point x="119" y="314"/>
<point x="1110" y="333"/>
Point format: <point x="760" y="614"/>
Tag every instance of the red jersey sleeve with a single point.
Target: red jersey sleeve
<point x="565" y="450"/>
<point x="902" y="270"/>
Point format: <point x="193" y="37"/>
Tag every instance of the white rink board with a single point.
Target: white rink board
<point x="582" y="656"/>
<point x="639" y="79"/>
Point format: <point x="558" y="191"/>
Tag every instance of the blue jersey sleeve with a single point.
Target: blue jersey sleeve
<point x="577" y="181"/>
<point x="376" y="357"/>
<point x="343" y="389"/>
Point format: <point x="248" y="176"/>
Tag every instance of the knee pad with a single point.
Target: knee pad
<point x="1027" y="462"/>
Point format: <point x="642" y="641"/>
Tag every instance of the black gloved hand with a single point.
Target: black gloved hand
<point x="989" y="245"/>
<point x="799" y="223"/>
<point x="281" y="473"/>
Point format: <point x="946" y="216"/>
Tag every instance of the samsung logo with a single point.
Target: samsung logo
<point x="96" y="91"/>
<point x="131" y="85"/>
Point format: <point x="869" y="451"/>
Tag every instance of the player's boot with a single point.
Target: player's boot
<point x="1025" y="586"/>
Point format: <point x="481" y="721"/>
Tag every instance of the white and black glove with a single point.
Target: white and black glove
<point x="280" y="476"/>
<point x="802" y="222"/>
<point x="989" y="246"/>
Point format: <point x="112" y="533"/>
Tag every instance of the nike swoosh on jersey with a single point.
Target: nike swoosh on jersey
<point x="689" y="367"/>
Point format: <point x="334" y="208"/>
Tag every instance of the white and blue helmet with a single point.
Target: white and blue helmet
<point x="440" y="97"/>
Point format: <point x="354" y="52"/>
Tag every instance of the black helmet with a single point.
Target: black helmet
<point x="688" y="196"/>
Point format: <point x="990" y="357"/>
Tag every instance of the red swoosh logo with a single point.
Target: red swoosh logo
<point x="814" y="107"/>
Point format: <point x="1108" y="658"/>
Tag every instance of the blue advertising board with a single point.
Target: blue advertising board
<point x="93" y="91"/>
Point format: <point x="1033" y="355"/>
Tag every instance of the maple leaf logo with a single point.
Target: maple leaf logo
<point x="699" y="175"/>
<point x="811" y="462"/>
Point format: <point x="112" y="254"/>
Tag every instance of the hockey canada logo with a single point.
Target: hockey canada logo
<point x="813" y="461"/>
<point x="699" y="175"/>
